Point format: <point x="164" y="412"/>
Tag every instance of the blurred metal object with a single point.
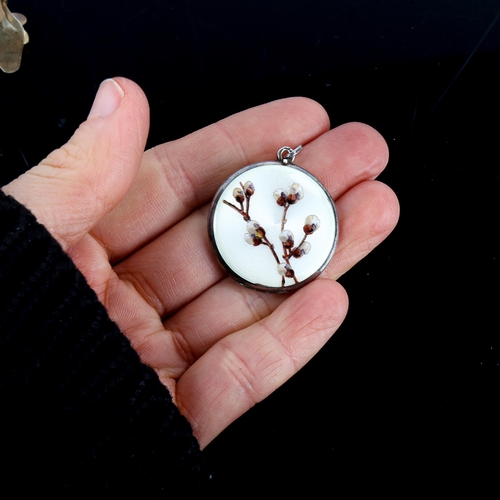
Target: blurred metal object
<point x="12" y="38"/>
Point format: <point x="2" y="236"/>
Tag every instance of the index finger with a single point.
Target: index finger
<point x="178" y="177"/>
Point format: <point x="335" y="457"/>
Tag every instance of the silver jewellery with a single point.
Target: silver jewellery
<point x="273" y="226"/>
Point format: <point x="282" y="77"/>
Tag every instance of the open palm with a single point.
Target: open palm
<point x="135" y="225"/>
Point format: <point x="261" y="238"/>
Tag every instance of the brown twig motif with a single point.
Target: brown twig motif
<point x="257" y="234"/>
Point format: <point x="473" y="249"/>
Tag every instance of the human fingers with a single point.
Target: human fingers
<point x="245" y="367"/>
<point x="79" y="183"/>
<point x="368" y="212"/>
<point x="177" y="177"/>
<point x="184" y="262"/>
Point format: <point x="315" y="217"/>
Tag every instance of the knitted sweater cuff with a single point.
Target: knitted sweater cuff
<point x="79" y="409"/>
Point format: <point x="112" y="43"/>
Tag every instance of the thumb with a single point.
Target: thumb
<point x="79" y="183"/>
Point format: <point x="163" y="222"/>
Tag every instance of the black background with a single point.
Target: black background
<point x="404" y="397"/>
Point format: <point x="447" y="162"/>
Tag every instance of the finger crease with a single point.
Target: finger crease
<point x="283" y="345"/>
<point x="242" y="373"/>
<point x="145" y="290"/>
<point x="183" y="347"/>
<point x="179" y="180"/>
<point x="257" y="304"/>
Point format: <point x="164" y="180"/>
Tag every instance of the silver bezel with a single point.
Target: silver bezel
<point x="259" y="286"/>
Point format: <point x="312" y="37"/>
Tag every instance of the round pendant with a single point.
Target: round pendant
<point x="273" y="225"/>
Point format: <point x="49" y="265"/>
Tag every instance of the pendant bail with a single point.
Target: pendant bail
<point x="286" y="154"/>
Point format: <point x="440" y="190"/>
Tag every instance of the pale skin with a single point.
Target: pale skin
<point x="134" y="223"/>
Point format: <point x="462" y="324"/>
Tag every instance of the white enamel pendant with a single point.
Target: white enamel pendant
<point x="273" y="225"/>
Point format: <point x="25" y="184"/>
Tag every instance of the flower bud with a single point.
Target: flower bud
<point x="286" y="238"/>
<point x="286" y="270"/>
<point x="249" y="188"/>
<point x="312" y="223"/>
<point x="253" y="227"/>
<point x="301" y="250"/>
<point x="238" y="194"/>
<point x="280" y="195"/>
<point x="251" y="239"/>
<point x="296" y="193"/>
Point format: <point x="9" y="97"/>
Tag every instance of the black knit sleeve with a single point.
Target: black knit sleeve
<point x="79" y="412"/>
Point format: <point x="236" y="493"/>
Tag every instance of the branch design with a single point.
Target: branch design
<point x="256" y="234"/>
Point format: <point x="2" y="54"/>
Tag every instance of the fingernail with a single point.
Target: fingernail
<point x="108" y="99"/>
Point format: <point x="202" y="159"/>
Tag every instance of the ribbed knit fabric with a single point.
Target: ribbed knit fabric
<point x="79" y="412"/>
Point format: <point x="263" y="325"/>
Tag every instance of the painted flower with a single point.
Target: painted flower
<point x="251" y="239"/>
<point x="249" y="188"/>
<point x="287" y="238"/>
<point x="254" y="228"/>
<point x="296" y="193"/>
<point x="280" y="195"/>
<point x="301" y="250"/>
<point x="312" y="223"/>
<point x="238" y="195"/>
<point x="286" y="270"/>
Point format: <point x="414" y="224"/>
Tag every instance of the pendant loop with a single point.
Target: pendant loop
<point x="286" y="154"/>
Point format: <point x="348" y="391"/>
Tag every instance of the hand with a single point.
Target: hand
<point x="135" y="225"/>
